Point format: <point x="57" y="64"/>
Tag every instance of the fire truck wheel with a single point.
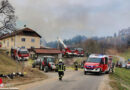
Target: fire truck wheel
<point x="107" y="72"/>
<point x="100" y="72"/>
<point x="85" y="73"/>
<point x="46" y="69"/>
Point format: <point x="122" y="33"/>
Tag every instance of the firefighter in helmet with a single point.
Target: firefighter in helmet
<point x="76" y="65"/>
<point x="61" y="69"/>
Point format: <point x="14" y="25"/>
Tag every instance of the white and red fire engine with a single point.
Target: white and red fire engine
<point x="98" y="64"/>
<point x="20" y="54"/>
<point x="66" y="52"/>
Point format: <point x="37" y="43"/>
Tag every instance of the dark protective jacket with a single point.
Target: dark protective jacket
<point x="76" y="63"/>
<point x="61" y="67"/>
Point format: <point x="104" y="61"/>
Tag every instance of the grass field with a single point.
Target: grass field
<point x="8" y="65"/>
<point x="115" y="59"/>
<point x="120" y="79"/>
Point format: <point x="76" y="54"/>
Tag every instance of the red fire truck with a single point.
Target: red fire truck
<point x="20" y="54"/>
<point x="67" y="52"/>
<point x="98" y="64"/>
<point x="78" y="52"/>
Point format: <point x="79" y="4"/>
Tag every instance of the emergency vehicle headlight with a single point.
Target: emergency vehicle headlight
<point x="97" y="65"/>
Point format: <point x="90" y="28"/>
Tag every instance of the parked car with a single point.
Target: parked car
<point x="119" y="64"/>
<point x="128" y="64"/>
<point x="46" y="63"/>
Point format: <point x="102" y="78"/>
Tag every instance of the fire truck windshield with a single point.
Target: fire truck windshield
<point x="23" y="52"/>
<point x="80" y="50"/>
<point x="50" y="59"/>
<point x="94" y="60"/>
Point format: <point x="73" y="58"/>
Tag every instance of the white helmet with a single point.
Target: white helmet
<point x="60" y="60"/>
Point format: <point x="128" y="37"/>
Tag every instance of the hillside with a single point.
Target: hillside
<point x="8" y="65"/>
<point x="69" y="42"/>
<point x="126" y="54"/>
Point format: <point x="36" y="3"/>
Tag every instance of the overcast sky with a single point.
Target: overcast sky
<point x="68" y="18"/>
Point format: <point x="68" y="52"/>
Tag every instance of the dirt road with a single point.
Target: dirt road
<point x="73" y="80"/>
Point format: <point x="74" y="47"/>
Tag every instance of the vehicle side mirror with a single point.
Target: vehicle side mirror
<point x="102" y="61"/>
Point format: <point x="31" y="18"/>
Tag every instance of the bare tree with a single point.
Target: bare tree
<point x="7" y="17"/>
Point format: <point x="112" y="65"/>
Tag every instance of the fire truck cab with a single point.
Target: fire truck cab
<point x="20" y="54"/>
<point x="67" y="52"/>
<point x="79" y="52"/>
<point x="98" y="64"/>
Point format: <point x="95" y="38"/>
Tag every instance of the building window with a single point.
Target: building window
<point x="32" y="40"/>
<point x="23" y="47"/>
<point x="32" y="47"/>
<point x="23" y="39"/>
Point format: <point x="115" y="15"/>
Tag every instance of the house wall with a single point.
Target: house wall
<point x="10" y="42"/>
<point x="28" y="41"/>
<point x="7" y="43"/>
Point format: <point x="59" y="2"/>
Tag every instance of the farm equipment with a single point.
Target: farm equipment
<point x="46" y="63"/>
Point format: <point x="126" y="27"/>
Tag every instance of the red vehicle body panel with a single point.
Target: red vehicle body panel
<point x="66" y="51"/>
<point x="102" y="66"/>
<point x="78" y="52"/>
<point x="23" y="55"/>
<point x="93" y="64"/>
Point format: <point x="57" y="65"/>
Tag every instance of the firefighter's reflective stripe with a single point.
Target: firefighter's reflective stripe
<point x="60" y="67"/>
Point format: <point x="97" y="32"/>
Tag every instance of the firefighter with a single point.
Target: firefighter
<point x="76" y="65"/>
<point x="82" y="64"/>
<point x="112" y="67"/>
<point x="61" y="69"/>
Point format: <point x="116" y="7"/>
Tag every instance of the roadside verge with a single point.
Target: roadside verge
<point x="120" y="79"/>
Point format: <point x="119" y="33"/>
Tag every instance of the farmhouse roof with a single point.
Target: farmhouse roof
<point x="46" y="51"/>
<point x="19" y="32"/>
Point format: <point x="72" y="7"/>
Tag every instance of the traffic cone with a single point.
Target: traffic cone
<point x="1" y="83"/>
